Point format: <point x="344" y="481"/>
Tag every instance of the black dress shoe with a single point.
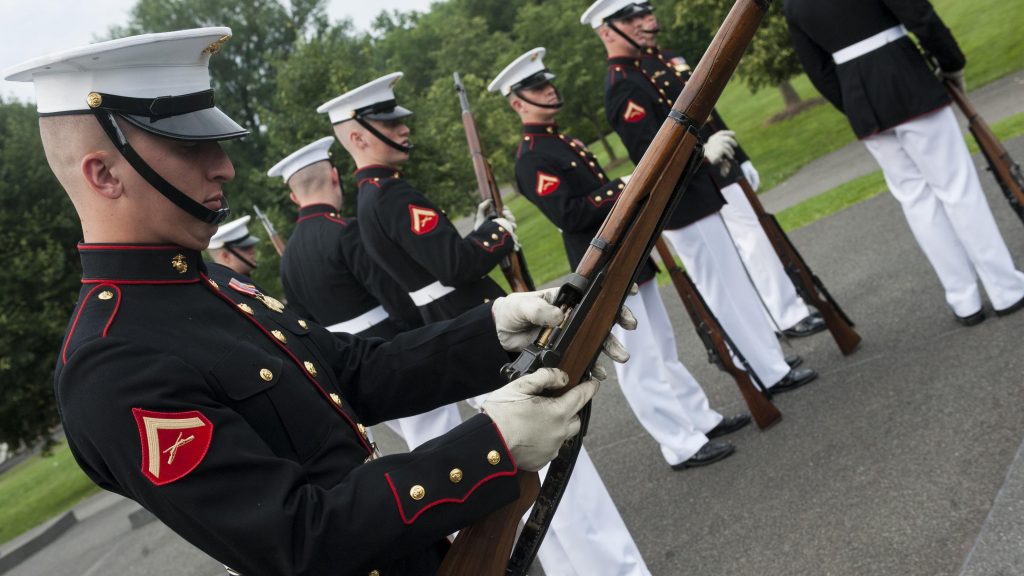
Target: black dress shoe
<point x="976" y="318"/>
<point x="709" y="453"/>
<point x="806" y="327"/>
<point x="729" y="425"/>
<point x="1011" y="309"/>
<point x="795" y="379"/>
<point x="794" y="360"/>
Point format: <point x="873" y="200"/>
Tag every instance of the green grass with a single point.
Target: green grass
<point x="987" y="31"/>
<point x="1005" y="129"/>
<point x="39" y="489"/>
<point x="836" y="199"/>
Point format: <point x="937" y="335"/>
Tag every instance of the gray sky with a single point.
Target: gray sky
<point x="30" y="28"/>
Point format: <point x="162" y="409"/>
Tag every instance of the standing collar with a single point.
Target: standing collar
<point x="316" y="209"/>
<point x="541" y="129"/>
<point x="140" y="264"/>
<point x="376" y="171"/>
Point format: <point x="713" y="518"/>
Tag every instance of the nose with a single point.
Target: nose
<point x="220" y="168"/>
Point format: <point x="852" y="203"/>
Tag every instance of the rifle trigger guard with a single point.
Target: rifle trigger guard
<point x="684" y="121"/>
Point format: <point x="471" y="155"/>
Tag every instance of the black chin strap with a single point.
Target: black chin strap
<point x="632" y="42"/>
<point x="555" y="106"/>
<point x="179" y="198"/>
<point x="382" y="137"/>
<point x="248" y="262"/>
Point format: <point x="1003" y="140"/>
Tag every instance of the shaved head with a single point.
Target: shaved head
<point x="66" y="140"/>
<point x="312" y="179"/>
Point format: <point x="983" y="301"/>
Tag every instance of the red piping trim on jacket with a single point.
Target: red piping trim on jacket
<point x="512" y="472"/>
<point x="371" y="166"/>
<point x="117" y="306"/>
<point x="321" y="215"/>
<point x="74" y="324"/>
<point x="496" y="245"/>
<point x="367" y="180"/>
<point x="298" y="363"/>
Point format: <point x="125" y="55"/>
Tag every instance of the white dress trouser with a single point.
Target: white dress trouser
<point x="664" y="396"/>
<point x="587" y="534"/>
<point x="930" y="172"/>
<point x="761" y="261"/>
<point x="712" y="261"/>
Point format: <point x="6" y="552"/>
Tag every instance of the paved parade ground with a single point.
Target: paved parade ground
<point x="901" y="459"/>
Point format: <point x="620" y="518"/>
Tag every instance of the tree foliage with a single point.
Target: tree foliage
<point x="770" y="60"/>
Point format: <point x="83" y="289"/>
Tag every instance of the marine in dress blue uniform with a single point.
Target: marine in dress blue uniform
<point x="238" y="423"/>
<point x="636" y="105"/>
<point x="410" y="236"/>
<point x="326" y="272"/>
<point x="234" y="246"/>
<point x="859" y="56"/>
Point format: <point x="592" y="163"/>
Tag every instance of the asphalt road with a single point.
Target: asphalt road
<point x="901" y="459"/>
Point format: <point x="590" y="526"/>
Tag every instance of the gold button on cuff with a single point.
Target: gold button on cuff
<point x="455" y="475"/>
<point x="597" y="198"/>
<point x="374" y="573"/>
<point x="310" y="368"/>
<point x="266" y="374"/>
<point x="417" y="492"/>
<point x="487" y="300"/>
<point x="493" y="457"/>
<point x="621" y="185"/>
<point x="500" y="229"/>
<point x="244" y="307"/>
<point x="280" y="336"/>
<point x="303" y="324"/>
<point x="609" y="193"/>
<point x="337" y="400"/>
<point x="494" y="236"/>
<point x="486" y="243"/>
<point x="106" y="295"/>
<point x="573" y="163"/>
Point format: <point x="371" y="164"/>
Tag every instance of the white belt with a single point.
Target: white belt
<point x="364" y="321"/>
<point x="869" y="44"/>
<point x="429" y="293"/>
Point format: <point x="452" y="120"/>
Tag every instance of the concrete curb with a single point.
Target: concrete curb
<point x="36" y="539"/>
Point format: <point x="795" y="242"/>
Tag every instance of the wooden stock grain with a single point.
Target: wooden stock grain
<point x="842" y="332"/>
<point x="1005" y="170"/>
<point x="628" y="231"/>
<point x="761" y="408"/>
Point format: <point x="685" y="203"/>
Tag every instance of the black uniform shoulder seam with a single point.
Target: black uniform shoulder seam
<point x="102" y="303"/>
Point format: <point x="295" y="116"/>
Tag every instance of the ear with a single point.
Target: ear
<point x="335" y="179"/>
<point x="294" y="198"/>
<point x="517" y="104"/>
<point x="96" y="169"/>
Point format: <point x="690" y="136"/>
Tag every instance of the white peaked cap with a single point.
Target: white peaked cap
<point x="235" y="233"/>
<point x="358" y="102"/>
<point x="162" y="66"/>
<point x="308" y="154"/>
<point x="602" y="9"/>
<point x="527" y="65"/>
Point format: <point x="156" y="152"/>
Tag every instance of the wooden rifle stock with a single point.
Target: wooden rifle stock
<point x="806" y="283"/>
<point x="1007" y="172"/>
<point x="275" y="239"/>
<point x="714" y="337"/>
<point x="594" y="294"/>
<point x="512" y="266"/>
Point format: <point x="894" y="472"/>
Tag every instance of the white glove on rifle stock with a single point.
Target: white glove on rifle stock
<point x="535" y="426"/>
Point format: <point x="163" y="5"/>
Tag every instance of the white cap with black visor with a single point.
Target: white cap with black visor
<point x="526" y="72"/>
<point x="606" y="12"/>
<point x="158" y="82"/>
<point x="372" y="101"/>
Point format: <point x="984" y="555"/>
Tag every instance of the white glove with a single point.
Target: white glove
<point x="507" y="215"/>
<point x="750" y="173"/>
<point x="625" y="179"/>
<point x="483" y="210"/>
<point x="535" y="427"/>
<point x="520" y="316"/>
<point x="720" y="148"/>
<point x="509" y="227"/>
<point x="957" y="77"/>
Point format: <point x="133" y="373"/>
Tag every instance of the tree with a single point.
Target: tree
<point x="39" y="277"/>
<point x="769" y="61"/>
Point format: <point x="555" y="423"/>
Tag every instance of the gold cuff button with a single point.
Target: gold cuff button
<point x="455" y="475"/>
<point x="244" y="307"/>
<point x="266" y="374"/>
<point x="573" y="163"/>
<point x="493" y="457"/>
<point x="417" y="492"/>
<point x="597" y="198"/>
<point x="310" y="368"/>
<point x="494" y="236"/>
<point x="280" y="336"/>
<point x="374" y="573"/>
<point x="486" y="243"/>
<point x="106" y="295"/>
